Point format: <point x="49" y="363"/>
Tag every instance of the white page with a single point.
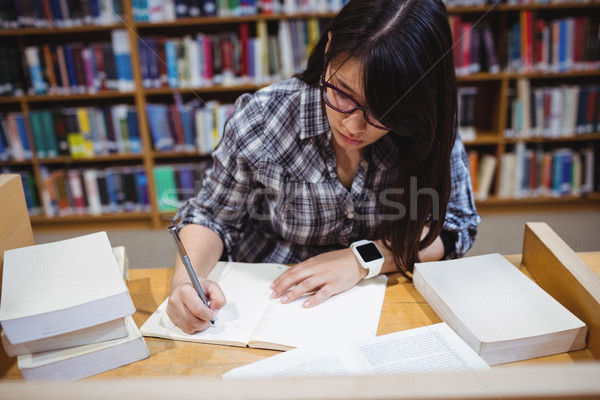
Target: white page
<point x="430" y="348"/>
<point x="346" y="317"/>
<point x="246" y="287"/>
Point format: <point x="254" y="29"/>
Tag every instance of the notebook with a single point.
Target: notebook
<point x="251" y="318"/>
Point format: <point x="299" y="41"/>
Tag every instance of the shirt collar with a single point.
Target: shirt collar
<point x="313" y="121"/>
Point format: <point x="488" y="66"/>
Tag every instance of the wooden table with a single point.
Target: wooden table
<point x="403" y="308"/>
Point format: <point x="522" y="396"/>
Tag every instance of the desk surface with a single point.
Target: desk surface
<point x="403" y="308"/>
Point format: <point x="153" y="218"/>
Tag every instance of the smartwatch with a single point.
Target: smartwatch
<point x="369" y="256"/>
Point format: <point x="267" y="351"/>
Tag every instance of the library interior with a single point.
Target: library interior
<point x="110" y="111"/>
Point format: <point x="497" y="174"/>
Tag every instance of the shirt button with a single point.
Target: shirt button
<point x="364" y="163"/>
<point x="333" y="174"/>
<point x="350" y="215"/>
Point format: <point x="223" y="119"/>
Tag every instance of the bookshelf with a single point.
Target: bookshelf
<point x="488" y="124"/>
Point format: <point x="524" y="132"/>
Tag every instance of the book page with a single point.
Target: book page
<point x="430" y="348"/>
<point x="346" y="317"/>
<point x="246" y="287"/>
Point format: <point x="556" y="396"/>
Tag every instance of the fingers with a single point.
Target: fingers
<point x="214" y="294"/>
<point x="308" y="285"/>
<point x="187" y="310"/>
<point x="290" y="278"/>
<point x="323" y="294"/>
<point x="300" y="280"/>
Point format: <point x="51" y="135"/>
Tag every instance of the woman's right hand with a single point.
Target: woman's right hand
<point x="186" y="309"/>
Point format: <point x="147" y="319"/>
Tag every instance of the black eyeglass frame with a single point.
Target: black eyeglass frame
<point x="357" y="106"/>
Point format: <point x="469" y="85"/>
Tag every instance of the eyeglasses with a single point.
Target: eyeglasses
<point x="342" y="102"/>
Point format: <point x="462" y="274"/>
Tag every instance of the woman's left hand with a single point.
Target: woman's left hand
<point x="326" y="274"/>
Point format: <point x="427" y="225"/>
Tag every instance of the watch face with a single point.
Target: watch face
<point x="369" y="252"/>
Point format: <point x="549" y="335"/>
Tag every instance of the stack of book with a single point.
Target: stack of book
<point x="66" y="310"/>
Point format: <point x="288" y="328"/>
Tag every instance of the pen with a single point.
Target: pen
<point x="188" y="265"/>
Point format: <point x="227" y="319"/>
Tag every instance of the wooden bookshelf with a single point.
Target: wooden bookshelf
<point x="490" y="137"/>
<point x="61" y="31"/>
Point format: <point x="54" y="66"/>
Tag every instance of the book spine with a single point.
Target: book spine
<point x="35" y="70"/>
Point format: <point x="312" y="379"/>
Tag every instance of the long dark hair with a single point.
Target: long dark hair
<point x="405" y="50"/>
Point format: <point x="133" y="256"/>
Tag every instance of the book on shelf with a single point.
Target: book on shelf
<point x="16" y="14"/>
<point x="467" y="98"/>
<point x="15" y="144"/>
<point x="60" y="287"/>
<point x="12" y="78"/>
<point x="474" y="47"/>
<point x="189" y="127"/>
<point x="172" y="10"/>
<point x="83" y="361"/>
<point x="251" y="318"/>
<point x="552" y="111"/>
<point x="485" y="176"/>
<point x="535" y="172"/>
<point x="94" y="191"/>
<point x="68" y="68"/>
<point x="552" y="46"/>
<point x="228" y="58"/>
<point x="426" y="349"/>
<point x="502" y="314"/>
<point x="177" y="183"/>
<point x="81" y="132"/>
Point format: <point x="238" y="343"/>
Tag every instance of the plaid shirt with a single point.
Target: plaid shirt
<point x="273" y="194"/>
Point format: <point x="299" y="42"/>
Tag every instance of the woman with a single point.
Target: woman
<point x="360" y="146"/>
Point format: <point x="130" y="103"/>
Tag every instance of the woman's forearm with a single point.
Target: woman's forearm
<point x="204" y="248"/>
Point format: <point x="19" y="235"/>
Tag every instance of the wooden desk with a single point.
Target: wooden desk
<point x="403" y="308"/>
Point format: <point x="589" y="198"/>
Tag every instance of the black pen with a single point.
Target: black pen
<point x="188" y="266"/>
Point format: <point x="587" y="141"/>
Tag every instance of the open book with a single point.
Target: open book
<point x="501" y="313"/>
<point x="429" y="348"/>
<point x="251" y="318"/>
<point x="54" y="288"/>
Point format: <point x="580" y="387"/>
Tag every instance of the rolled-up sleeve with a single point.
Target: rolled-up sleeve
<point x="461" y="216"/>
<point x="221" y="204"/>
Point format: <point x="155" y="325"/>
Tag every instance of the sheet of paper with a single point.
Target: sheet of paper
<point x="430" y="348"/>
<point x="334" y="320"/>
